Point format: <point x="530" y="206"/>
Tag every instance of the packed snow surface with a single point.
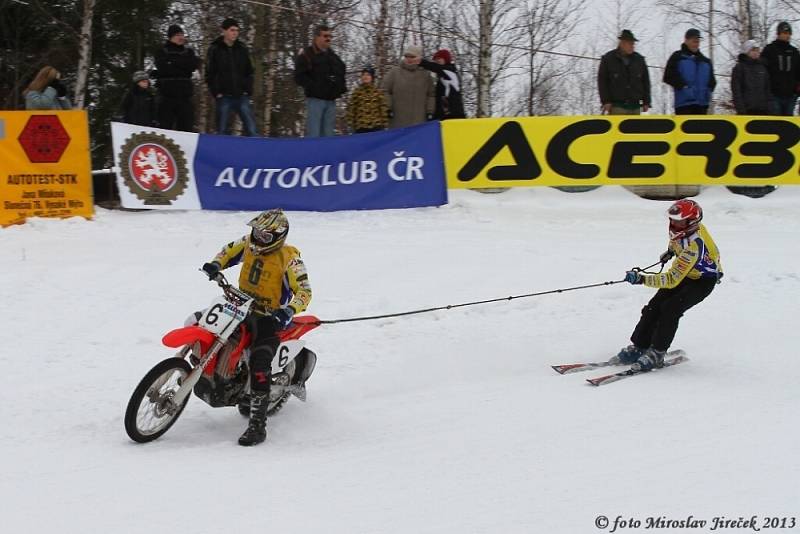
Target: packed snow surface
<point x="450" y="421"/>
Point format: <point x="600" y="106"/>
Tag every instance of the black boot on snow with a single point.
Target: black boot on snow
<point x="244" y="407"/>
<point x="257" y="428"/>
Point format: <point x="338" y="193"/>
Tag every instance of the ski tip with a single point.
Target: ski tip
<point x="558" y="369"/>
<point x="596" y="381"/>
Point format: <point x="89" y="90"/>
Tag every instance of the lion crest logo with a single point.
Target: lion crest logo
<point x="153" y="167"/>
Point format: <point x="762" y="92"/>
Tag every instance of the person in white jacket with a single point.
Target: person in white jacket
<point x="47" y="91"/>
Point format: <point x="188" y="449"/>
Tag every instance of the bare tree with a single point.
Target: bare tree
<point x="84" y="52"/>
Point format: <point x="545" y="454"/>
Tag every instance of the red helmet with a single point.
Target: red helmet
<point x="684" y="218"/>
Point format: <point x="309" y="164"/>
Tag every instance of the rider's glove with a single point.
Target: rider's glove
<point x="283" y="317"/>
<point x="633" y="277"/>
<point x="666" y="256"/>
<point x="211" y="269"/>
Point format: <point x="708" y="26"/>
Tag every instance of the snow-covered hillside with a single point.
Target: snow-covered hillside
<point x="450" y="422"/>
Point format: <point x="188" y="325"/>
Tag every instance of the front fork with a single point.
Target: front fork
<point x="197" y="372"/>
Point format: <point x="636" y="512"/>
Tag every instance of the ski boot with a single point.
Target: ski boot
<point x="628" y="355"/>
<point x="257" y="428"/>
<point x="651" y="359"/>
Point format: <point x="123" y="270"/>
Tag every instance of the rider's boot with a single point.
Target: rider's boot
<point x="257" y="428"/>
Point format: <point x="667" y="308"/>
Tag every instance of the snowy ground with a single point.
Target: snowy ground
<point x="446" y="422"/>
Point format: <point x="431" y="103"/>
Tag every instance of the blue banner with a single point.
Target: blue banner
<point x="392" y="169"/>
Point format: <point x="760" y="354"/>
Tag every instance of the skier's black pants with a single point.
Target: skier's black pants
<point x="176" y="113"/>
<point x="262" y="349"/>
<point x="660" y="317"/>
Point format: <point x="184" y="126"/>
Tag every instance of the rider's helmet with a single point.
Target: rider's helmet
<point x="269" y="231"/>
<point x="684" y="218"/>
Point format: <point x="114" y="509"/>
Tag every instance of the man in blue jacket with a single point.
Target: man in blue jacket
<point x="691" y="75"/>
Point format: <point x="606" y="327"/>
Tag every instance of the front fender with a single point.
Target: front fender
<point x="188" y="335"/>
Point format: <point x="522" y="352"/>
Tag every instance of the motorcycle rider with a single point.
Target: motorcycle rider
<point x="275" y="276"/>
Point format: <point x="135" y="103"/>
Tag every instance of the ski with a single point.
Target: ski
<point x="578" y="367"/>
<point x="608" y="379"/>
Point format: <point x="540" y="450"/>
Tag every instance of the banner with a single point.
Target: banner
<point x="622" y="150"/>
<point x="164" y="169"/>
<point x="45" y="169"/>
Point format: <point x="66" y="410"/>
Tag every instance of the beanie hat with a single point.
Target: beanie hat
<point x="173" y="30"/>
<point x="369" y="69"/>
<point x="415" y="51"/>
<point x="140" y="75"/>
<point x="784" y="27"/>
<point x="443" y="54"/>
<point x="749" y="45"/>
<point x="692" y="33"/>
<point x="227" y="23"/>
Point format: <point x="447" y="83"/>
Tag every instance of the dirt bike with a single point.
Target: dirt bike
<point x="213" y="362"/>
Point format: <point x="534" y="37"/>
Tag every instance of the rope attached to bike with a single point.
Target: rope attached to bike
<point x="478" y="302"/>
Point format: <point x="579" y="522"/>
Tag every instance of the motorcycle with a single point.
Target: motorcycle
<point x="213" y="362"/>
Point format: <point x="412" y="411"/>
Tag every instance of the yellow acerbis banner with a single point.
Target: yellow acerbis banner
<point x="45" y="169"/>
<point x="622" y="150"/>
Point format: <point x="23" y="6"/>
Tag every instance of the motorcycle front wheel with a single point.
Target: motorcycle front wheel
<point x="151" y="410"/>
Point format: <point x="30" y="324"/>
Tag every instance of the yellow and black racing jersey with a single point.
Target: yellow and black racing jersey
<point x="696" y="257"/>
<point x="274" y="280"/>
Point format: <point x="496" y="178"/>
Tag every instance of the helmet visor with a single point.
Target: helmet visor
<point x="263" y="236"/>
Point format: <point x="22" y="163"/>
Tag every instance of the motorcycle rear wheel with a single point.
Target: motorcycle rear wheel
<point x="151" y="412"/>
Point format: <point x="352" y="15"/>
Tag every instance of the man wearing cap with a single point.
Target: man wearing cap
<point x="691" y="75"/>
<point x="409" y="90"/>
<point x="623" y="80"/>
<point x="229" y="75"/>
<point x="449" y="104"/>
<point x="139" y="103"/>
<point x="783" y="64"/>
<point x="175" y="63"/>
<point x="320" y="72"/>
<point x="750" y="84"/>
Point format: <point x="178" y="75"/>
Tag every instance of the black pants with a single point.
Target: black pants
<point x="263" y="345"/>
<point x="176" y="113"/>
<point x="660" y="317"/>
<point x="692" y="110"/>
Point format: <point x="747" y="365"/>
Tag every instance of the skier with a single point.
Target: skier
<point x="690" y="279"/>
<point x="275" y="276"/>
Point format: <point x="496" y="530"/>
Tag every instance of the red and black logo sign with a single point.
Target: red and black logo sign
<point x="44" y="139"/>
<point x="154" y="168"/>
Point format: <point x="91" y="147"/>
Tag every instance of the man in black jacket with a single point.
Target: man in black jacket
<point x="623" y="80"/>
<point x="229" y="75"/>
<point x="783" y="64"/>
<point x="175" y="63"/>
<point x="320" y="72"/>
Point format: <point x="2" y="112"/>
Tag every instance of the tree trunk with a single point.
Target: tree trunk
<point x="271" y="73"/>
<point x="485" y="58"/>
<point x="381" y="53"/>
<point x="84" y="52"/>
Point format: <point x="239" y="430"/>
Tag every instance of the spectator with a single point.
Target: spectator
<point x="139" y="103"/>
<point x="783" y="64"/>
<point x="46" y="91"/>
<point x="175" y="63"/>
<point x="229" y="75"/>
<point x="366" y="111"/>
<point x="449" y="104"/>
<point x="320" y="72"/>
<point x="750" y="84"/>
<point x="691" y="75"/>
<point x="409" y="91"/>
<point x="623" y="80"/>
